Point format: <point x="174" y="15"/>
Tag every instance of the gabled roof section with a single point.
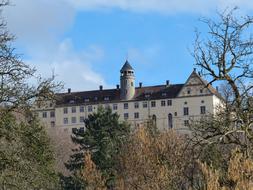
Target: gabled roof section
<point x="126" y="67"/>
<point x="196" y="80"/>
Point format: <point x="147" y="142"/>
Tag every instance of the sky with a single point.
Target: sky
<point x="86" y="42"/>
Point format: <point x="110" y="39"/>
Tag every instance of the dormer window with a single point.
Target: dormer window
<point x="164" y="94"/>
<point x="95" y="98"/>
<point x="147" y="95"/>
<point x="86" y="100"/>
<point x="71" y="101"/>
<point x="106" y="98"/>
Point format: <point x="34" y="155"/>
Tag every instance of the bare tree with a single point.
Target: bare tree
<point x="226" y="54"/>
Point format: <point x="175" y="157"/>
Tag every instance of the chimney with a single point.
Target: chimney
<point x="117" y="86"/>
<point x="140" y="84"/>
<point x="167" y="82"/>
<point x="69" y="90"/>
<point x="101" y="87"/>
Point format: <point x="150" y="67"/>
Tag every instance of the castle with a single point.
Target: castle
<point x="170" y="106"/>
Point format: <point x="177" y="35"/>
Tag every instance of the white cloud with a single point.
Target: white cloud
<point x="162" y="6"/>
<point x="73" y="68"/>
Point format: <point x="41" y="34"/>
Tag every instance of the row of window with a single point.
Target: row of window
<point x="52" y="114"/>
<point x="202" y="110"/>
<point x="73" y="120"/>
<point x="115" y="107"/>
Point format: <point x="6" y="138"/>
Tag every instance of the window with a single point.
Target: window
<point x="74" y="130"/>
<point x="175" y="114"/>
<point x="52" y="114"/>
<point x="163" y="103"/>
<point x="89" y="108"/>
<point x="169" y="102"/>
<point x="65" y="120"/>
<point x="65" y="110"/>
<point x="50" y="105"/>
<point x="52" y="124"/>
<point x="44" y="114"/>
<point x="164" y="94"/>
<point x="106" y="98"/>
<point x="144" y="104"/>
<point x="201" y="91"/>
<point x="81" y="109"/>
<point x="136" y="115"/>
<point x="147" y="95"/>
<point x="153" y="104"/>
<point x="73" y="119"/>
<point x="186" y="123"/>
<point x="136" y="105"/>
<point x="202" y="101"/>
<point x="125" y="105"/>
<point x="73" y="109"/>
<point x="185" y="103"/>
<point x="189" y="91"/>
<point x="132" y="84"/>
<point x="115" y="106"/>
<point x="81" y="119"/>
<point x="86" y="100"/>
<point x="71" y="101"/>
<point x="125" y="115"/>
<point x="107" y="106"/>
<point x="170" y="121"/>
<point x="202" y="109"/>
<point x="81" y="130"/>
<point x="186" y="111"/>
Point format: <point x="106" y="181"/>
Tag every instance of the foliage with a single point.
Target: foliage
<point x="239" y="174"/>
<point x="26" y="157"/>
<point x="102" y="138"/>
<point x="153" y="160"/>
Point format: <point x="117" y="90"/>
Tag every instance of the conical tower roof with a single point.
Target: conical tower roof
<point x="126" y="67"/>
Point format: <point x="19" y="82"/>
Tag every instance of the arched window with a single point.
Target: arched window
<point x="154" y="119"/>
<point x="170" y="121"/>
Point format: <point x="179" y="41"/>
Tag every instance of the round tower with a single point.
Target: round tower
<point x="127" y="87"/>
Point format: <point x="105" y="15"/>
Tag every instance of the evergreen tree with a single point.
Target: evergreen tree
<point x="103" y="137"/>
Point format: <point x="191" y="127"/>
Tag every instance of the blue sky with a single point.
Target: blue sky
<point x="85" y="42"/>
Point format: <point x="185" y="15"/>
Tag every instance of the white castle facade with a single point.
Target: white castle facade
<point x="170" y="106"/>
